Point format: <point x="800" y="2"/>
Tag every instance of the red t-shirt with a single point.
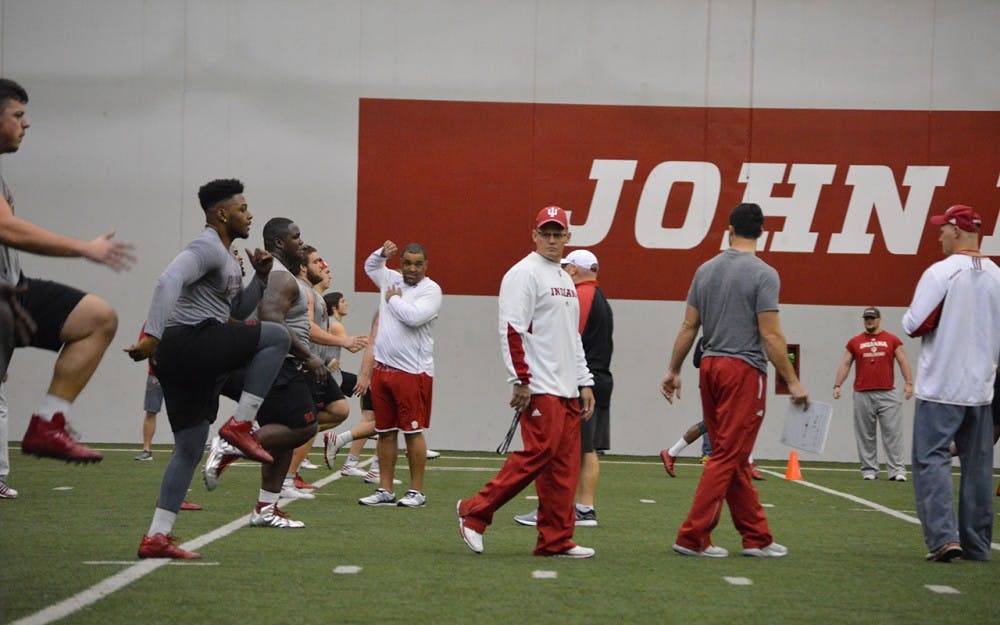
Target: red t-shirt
<point x="874" y="356"/>
<point x="585" y="295"/>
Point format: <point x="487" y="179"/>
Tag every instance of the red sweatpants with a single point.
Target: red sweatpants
<point x="733" y="396"/>
<point x="550" y="432"/>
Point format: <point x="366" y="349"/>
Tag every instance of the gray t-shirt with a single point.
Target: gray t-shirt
<point x="729" y="291"/>
<point x="202" y="282"/>
<point x="10" y="261"/>
<point x="322" y="319"/>
<point x="297" y="315"/>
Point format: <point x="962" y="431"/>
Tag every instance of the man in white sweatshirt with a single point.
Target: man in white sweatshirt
<point x="956" y="312"/>
<point x="402" y="381"/>
<point x="541" y="347"/>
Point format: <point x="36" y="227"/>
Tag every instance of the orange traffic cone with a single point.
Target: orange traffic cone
<point x="793" y="472"/>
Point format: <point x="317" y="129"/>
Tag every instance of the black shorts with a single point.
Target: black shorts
<point x="289" y="402"/>
<point x="192" y="363"/>
<point x="366" y="401"/>
<point x="324" y="393"/>
<point x="348" y="382"/>
<point x="595" y="433"/>
<point x="49" y="304"/>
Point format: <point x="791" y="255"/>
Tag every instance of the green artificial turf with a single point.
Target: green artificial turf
<point x="848" y="563"/>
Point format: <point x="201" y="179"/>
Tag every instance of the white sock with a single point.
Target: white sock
<point x="266" y="497"/>
<point x="584" y="509"/>
<point x="289" y="481"/>
<point x="344" y="438"/>
<point x="751" y="459"/>
<point x="50" y="405"/>
<point x="163" y="522"/>
<point x="248" y="406"/>
<point x="677" y="448"/>
<point x="374" y="467"/>
<point x="351" y="460"/>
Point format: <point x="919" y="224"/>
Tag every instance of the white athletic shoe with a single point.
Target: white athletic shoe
<point x="576" y="552"/>
<point x="585" y="519"/>
<point x="381" y="497"/>
<point x="711" y="551"/>
<point x="412" y="499"/>
<point x="220" y="456"/>
<point x="6" y="492"/>
<point x="431" y="454"/>
<point x="330" y="449"/>
<point x="306" y="464"/>
<point x="290" y="492"/>
<point x="473" y="539"/>
<point x="352" y="470"/>
<point x="774" y="550"/>
<point x="273" y="516"/>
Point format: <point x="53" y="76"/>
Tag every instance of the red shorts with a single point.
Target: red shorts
<point x="402" y="401"/>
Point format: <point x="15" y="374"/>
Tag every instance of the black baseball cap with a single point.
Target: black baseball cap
<point x="871" y="313"/>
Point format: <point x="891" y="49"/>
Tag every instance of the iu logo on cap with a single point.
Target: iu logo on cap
<point x="552" y="211"/>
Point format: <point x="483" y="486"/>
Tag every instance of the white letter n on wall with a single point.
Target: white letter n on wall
<point x="875" y="189"/>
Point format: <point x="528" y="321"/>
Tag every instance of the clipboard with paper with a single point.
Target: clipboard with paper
<point x="807" y="429"/>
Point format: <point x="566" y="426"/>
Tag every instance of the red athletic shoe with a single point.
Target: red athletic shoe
<point x="162" y="546"/>
<point x="755" y="474"/>
<point x="238" y="434"/>
<point x="187" y="505"/>
<point x="668" y="462"/>
<point x="51" y="439"/>
<point x="301" y="484"/>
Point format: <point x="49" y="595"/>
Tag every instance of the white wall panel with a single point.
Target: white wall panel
<point x="730" y="53"/>
<point x="966" y="56"/>
<point x="852" y="54"/>
<point x="439" y="49"/>
<point x="643" y="52"/>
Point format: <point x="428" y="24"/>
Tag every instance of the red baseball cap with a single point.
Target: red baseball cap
<point x="961" y="216"/>
<point x="552" y="214"/>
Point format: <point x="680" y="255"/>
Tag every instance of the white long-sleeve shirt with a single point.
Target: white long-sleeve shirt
<point x="539" y="329"/>
<point x="956" y="311"/>
<point x="405" y="338"/>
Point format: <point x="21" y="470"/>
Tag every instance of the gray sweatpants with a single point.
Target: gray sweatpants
<point x="935" y="425"/>
<point x="879" y="409"/>
<point x="4" y="437"/>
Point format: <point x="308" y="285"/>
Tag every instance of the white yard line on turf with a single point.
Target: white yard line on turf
<point x="864" y="502"/>
<point x="142" y="568"/>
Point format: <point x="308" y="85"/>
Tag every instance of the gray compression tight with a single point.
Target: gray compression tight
<point x="272" y="347"/>
<point x="189" y="444"/>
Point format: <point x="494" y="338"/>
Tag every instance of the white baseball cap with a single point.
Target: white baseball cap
<point x="584" y="259"/>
